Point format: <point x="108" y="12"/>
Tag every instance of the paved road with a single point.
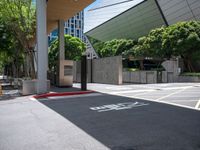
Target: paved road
<point x="180" y="94"/>
<point x="97" y="122"/>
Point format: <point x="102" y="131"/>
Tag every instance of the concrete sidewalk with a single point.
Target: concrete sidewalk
<point x="30" y="125"/>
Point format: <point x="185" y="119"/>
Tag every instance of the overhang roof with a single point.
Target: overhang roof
<point x="63" y="10"/>
<point x="131" y="24"/>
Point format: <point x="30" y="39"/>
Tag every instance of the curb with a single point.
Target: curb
<point x="62" y="94"/>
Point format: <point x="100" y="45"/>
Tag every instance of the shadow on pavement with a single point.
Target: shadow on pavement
<point x="150" y="127"/>
<point x="64" y="89"/>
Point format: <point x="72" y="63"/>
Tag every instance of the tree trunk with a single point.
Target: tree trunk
<point x="188" y="64"/>
<point x="141" y="64"/>
<point x="32" y="58"/>
<point x="30" y="65"/>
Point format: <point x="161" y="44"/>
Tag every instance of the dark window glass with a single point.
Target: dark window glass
<point x="66" y="31"/>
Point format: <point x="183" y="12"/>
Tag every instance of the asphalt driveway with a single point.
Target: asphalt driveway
<point x="130" y="124"/>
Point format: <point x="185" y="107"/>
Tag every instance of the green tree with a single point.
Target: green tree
<point x="74" y="49"/>
<point x="10" y="54"/>
<point x="151" y="45"/>
<point x="184" y="40"/>
<point x="116" y="47"/>
<point x="20" y="19"/>
<point x="181" y="39"/>
<point x="97" y="45"/>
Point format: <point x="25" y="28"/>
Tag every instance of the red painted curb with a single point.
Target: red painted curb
<point x="62" y="94"/>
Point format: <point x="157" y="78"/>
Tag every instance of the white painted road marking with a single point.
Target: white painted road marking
<point x="198" y="105"/>
<point x="132" y="91"/>
<point x="118" y="88"/>
<point x="164" y="92"/>
<point x="119" y="106"/>
<point x="163" y="97"/>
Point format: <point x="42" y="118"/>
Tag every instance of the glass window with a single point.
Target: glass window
<point x="55" y="33"/>
<point x="79" y="24"/>
<point x="66" y="31"/>
<point x="72" y="20"/>
<point x="76" y="24"/>
<point x="68" y="23"/>
<point x="78" y="16"/>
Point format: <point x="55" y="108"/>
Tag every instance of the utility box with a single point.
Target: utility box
<point x="65" y="73"/>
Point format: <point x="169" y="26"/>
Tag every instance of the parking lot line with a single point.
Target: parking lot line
<point x="198" y="105"/>
<point x="183" y="100"/>
<point x="132" y="91"/>
<point x="162" y="102"/>
<point x="163" y="97"/>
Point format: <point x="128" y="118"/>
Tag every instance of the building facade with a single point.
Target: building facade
<point x="74" y="27"/>
<point x="135" y="18"/>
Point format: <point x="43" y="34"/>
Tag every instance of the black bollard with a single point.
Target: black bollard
<point x="83" y="73"/>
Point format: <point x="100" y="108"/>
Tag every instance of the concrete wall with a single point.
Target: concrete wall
<point x="77" y="71"/>
<point x="188" y="79"/>
<point x="173" y="69"/>
<point x="105" y="70"/>
<point x="173" y="72"/>
<point x="109" y="71"/>
<point x="149" y="77"/>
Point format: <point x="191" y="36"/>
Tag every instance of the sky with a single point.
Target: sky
<point x="93" y="4"/>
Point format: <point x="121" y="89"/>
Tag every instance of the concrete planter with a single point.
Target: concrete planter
<point x="29" y="87"/>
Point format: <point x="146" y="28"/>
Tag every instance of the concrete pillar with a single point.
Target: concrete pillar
<point x="42" y="49"/>
<point x="61" y="52"/>
<point x="61" y="34"/>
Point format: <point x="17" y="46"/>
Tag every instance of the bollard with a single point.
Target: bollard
<point x="1" y="93"/>
<point x="84" y="73"/>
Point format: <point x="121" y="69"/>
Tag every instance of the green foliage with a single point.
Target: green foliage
<point x="9" y="52"/>
<point x="194" y="74"/>
<point x="141" y="49"/>
<point x="18" y="19"/>
<point x="98" y="45"/>
<point x="74" y="48"/>
<point x="114" y="47"/>
<point x="181" y="39"/>
<point x="184" y="40"/>
<point x="133" y="69"/>
<point x="151" y="45"/>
